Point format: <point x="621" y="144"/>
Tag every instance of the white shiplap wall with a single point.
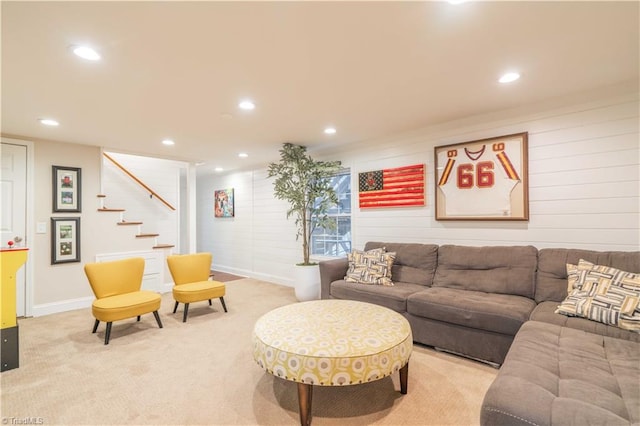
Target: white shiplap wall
<point x="227" y="238"/>
<point x="163" y="177"/>
<point x="584" y="189"/>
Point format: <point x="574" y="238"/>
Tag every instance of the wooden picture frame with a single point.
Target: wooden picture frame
<point x="67" y="189"/>
<point x="486" y="179"/>
<point x="65" y="240"/>
<point x="394" y="187"/>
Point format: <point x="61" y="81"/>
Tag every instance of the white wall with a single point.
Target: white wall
<point x="62" y="287"/>
<point x="584" y="189"/>
<point x="161" y="176"/>
<point x="584" y="179"/>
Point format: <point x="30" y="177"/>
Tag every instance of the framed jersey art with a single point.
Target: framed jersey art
<point x="485" y="179"/>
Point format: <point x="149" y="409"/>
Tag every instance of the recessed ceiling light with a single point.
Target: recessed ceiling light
<point x="457" y="1"/>
<point x="509" y="77"/>
<point x="218" y="169"/>
<point x="86" y="53"/>
<point x="330" y="131"/>
<point x="243" y="155"/>
<point x="168" y="142"/>
<point x="247" y="105"/>
<point x="48" y="121"/>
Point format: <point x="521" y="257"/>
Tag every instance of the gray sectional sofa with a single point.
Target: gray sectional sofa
<point x="497" y="304"/>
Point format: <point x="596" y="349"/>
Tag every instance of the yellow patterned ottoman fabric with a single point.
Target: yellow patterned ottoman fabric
<point x="332" y="342"/>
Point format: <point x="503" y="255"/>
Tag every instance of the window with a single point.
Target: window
<point x="336" y="242"/>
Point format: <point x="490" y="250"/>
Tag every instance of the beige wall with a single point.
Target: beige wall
<point x="63" y="282"/>
<point x="62" y="287"/>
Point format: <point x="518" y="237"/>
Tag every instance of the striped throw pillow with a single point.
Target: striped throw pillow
<point x="370" y="267"/>
<point x="605" y="294"/>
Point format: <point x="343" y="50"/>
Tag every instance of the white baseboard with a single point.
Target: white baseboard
<point x="273" y="279"/>
<point x="85" y="302"/>
<point x="63" y="306"/>
<point x="73" y="304"/>
<point x="234" y="271"/>
<point x="287" y="282"/>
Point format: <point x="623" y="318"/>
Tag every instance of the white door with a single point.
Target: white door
<point x="13" y="190"/>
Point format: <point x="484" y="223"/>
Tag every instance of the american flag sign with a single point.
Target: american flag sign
<point x="399" y="187"/>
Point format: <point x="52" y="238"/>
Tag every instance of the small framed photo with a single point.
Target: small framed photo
<point x="67" y="189"/>
<point x="223" y="202"/>
<point x="65" y="240"/>
<point x="485" y="179"/>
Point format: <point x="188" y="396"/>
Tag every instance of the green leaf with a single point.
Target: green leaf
<point x="306" y="185"/>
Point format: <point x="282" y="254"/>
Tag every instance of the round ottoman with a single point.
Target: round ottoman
<point x="332" y="343"/>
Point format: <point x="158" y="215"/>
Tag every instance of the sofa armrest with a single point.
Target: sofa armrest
<point x="330" y="271"/>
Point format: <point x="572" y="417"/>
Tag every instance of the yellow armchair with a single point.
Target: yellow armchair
<point x="116" y="285"/>
<point x="190" y="274"/>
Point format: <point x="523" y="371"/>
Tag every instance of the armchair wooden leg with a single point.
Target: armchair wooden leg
<point x="186" y="311"/>
<point x="155" y="314"/>
<point x="138" y="318"/>
<point x="175" y="307"/>
<point x="223" y="304"/>
<point x="209" y="302"/>
<point x="107" y="334"/>
<point x="95" y="326"/>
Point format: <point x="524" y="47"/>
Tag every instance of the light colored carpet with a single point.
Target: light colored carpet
<point x="202" y="373"/>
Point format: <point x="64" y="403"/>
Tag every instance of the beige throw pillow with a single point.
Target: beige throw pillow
<point x="370" y="267"/>
<point x="575" y="272"/>
<point x="604" y="294"/>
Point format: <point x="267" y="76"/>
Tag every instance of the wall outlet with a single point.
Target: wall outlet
<point x="41" y="227"/>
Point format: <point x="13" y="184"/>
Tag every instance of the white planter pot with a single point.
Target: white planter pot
<point x="306" y="282"/>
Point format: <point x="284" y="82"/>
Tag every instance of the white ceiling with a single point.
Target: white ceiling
<point x="371" y="69"/>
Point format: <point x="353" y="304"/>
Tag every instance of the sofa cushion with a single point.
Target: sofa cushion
<point x="394" y="297"/>
<point x="545" y="312"/>
<point x="560" y="375"/>
<point x="552" y="268"/>
<point x="499" y="313"/>
<point x="414" y="263"/>
<point x="370" y="267"/>
<point x="504" y="270"/>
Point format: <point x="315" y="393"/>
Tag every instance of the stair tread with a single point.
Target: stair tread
<point x="125" y="222"/>
<point x="163" y="246"/>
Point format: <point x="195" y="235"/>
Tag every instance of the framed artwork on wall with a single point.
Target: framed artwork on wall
<point x="223" y="203"/>
<point x="396" y="187"/>
<point x="67" y="189"/>
<point x="485" y="179"/>
<point x="65" y="240"/>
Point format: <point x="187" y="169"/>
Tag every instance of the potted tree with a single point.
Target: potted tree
<point x="306" y="185"/>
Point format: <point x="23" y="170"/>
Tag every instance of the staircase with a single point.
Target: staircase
<point x="123" y="222"/>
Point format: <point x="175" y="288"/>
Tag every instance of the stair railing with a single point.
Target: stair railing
<point x="152" y="193"/>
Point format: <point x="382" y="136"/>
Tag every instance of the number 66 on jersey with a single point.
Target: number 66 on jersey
<point x="485" y="179"/>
